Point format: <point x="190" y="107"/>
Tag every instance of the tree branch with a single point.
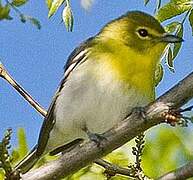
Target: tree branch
<point x="181" y="173"/>
<point x="113" y="169"/>
<point x="5" y="75"/>
<point x="124" y="131"/>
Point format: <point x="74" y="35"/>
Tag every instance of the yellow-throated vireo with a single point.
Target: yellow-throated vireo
<point x="104" y="79"/>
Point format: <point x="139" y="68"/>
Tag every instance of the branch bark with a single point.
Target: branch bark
<point x="181" y="173"/>
<point x="114" y="169"/>
<point x="124" y="131"/>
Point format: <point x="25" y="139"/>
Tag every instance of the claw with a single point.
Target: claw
<point x="95" y="137"/>
<point x="140" y="111"/>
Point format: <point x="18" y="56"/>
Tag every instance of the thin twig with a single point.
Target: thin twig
<point x="5" y="75"/>
<point x="114" y="169"/>
<point x="14" y="8"/>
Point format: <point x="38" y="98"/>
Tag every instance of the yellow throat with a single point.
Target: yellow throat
<point x="129" y="66"/>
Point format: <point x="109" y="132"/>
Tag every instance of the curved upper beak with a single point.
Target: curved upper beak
<point x="170" y="38"/>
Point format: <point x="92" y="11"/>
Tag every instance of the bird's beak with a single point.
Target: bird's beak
<point x="170" y="38"/>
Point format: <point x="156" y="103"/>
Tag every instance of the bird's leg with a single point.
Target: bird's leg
<point x="140" y="111"/>
<point x="95" y="137"/>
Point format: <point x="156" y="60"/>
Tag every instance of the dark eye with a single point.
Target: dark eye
<point x="143" y="32"/>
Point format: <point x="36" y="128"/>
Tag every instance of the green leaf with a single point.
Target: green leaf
<point x="170" y="28"/>
<point x="54" y="7"/>
<point x="170" y="59"/>
<point x="23" y="18"/>
<point x="32" y="20"/>
<point x="49" y="4"/>
<point x="35" y="22"/>
<point x="171" y="143"/>
<point x="22" y="142"/>
<point x="191" y="20"/>
<point x="67" y="17"/>
<point x="172" y="9"/>
<point x="146" y="2"/>
<point x="158" y="5"/>
<point x="4" y="12"/>
<point x="18" y="2"/>
<point x="158" y="74"/>
<point x="177" y="46"/>
<point x="2" y="174"/>
<point x="173" y="52"/>
<point x="15" y="157"/>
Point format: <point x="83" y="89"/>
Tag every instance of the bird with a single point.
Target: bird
<point x="105" y="77"/>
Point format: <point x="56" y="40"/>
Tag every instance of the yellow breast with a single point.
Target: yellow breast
<point x="128" y="66"/>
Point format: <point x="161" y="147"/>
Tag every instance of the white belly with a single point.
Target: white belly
<point x="93" y="99"/>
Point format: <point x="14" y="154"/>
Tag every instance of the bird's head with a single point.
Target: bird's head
<point x="140" y="32"/>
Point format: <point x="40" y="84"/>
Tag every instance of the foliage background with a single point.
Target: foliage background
<point x="36" y="59"/>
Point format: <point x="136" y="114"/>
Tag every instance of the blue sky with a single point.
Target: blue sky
<point x="35" y="58"/>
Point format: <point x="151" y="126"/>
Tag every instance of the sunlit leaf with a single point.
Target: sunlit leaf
<point x="170" y="60"/>
<point x="19" y="2"/>
<point x="54" y="7"/>
<point x="4" y="12"/>
<point x="166" y="150"/>
<point x="15" y="156"/>
<point x="86" y="4"/>
<point x="2" y="174"/>
<point x="158" y="74"/>
<point x="35" y="22"/>
<point x="170" y="28"/>
<point x="49" y="3"/>
<point x="177" y="46"/>
<point x="32" y="20"/>
<point x="158" y="5"/>
<point x="22" y="143"/>
<point x="191" y="20"/>
<point x="172" y="9"/>
<point x="174" y="50"/>
<point x="67" y="17"/>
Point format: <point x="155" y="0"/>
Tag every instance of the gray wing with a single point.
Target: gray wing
<point x="78" y="56"/>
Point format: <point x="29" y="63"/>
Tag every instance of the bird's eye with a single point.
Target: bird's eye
<point x="143" y="32"/>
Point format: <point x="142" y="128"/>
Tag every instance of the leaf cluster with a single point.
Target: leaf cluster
<point x="7" y="159"/>
<point x="179" y="11"/>
<point x="67" y="14"/>
<point x="14" y="5"/>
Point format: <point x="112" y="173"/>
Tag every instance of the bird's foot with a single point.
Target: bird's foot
<point x="95" y="137"/>
<point x="139" y="111"/>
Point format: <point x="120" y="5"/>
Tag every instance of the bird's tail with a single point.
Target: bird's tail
<point x="28" y="162"/>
